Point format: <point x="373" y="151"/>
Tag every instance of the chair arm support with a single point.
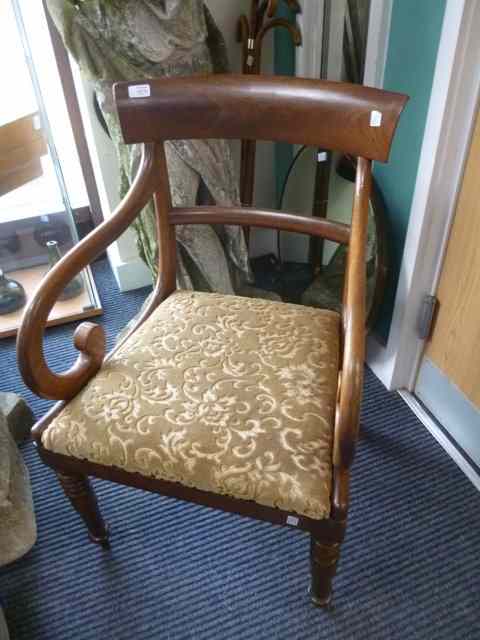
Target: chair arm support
<point x="352" y="367"/>
<point x="88" y="338"/>
<point x="263" y="218"/>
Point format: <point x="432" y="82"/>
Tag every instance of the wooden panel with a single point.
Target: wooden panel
<point x="20" y="176"/>
<point x="21" y="146"/>
<point x="455" y="345"/>
<point x="19" y="133"/>
<point x="333" y="115"/>
<point x="19" y="157"/>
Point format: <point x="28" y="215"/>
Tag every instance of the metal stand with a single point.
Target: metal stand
<point x="251" y="32"/>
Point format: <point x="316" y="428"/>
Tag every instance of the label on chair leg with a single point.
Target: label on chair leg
<point x="292" y="520"/>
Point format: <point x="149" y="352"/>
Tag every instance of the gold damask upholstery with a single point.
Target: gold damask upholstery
<point x="230" y="395"/>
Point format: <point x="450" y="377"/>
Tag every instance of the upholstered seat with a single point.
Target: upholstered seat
<point x="226" y="394"/>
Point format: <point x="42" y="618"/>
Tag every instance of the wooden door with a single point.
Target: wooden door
<point x="449" y="379"/>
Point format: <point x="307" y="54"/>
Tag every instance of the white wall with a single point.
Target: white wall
<point x="300" y="189"/>
<point x="129" y="270"/>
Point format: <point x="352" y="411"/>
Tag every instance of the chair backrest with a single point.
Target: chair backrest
<point x="349" y="118"/>
<point x="353" y="119"/>
<point x="357" y="120"/>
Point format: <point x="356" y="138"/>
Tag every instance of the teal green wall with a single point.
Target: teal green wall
<point x="412" y="52"/>
<point x="284" y="64"/>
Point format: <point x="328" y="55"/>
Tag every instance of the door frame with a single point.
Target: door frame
<point x="308" y="57"/>
<point x="450" y="120"/>
<point x="379" y="22"/>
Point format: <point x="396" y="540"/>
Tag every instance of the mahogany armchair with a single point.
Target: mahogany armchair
<point x="249" y="406"/>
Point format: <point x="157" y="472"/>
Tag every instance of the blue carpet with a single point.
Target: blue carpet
<point x="410" y="566"/>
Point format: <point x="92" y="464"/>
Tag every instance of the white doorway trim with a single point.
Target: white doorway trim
<point x="438" y="433"/>
<point x="311" y="22"/>
<point x="308" y="56"/>
<point x="450" y="118"/>
<point x="379" y="22"/>
<point x="457" y="414"/>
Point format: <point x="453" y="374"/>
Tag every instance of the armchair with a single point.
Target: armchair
<point x="249" y="406"/>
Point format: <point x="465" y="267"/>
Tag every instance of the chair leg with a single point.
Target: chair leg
<point x="79" y="491"/>
<point x="323" y="564"/>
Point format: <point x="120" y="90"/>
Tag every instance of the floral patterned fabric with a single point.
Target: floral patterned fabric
<point x="226" y="394"/>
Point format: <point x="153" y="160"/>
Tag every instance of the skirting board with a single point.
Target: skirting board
<point x="451" y="407"/>
<point x="468" y="469"/>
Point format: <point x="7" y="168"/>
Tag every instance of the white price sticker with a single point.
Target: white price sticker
<point x="292" y="520"/>
<point x="139" y="91"/>
<point x="375" y="118"/>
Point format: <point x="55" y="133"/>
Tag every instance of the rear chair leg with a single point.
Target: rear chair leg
<point x="78" y="490"/>
<point x="323" y="563"/>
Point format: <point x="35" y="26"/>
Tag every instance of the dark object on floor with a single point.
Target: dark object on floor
<point x="4" y="635"/>
<point x="288" y="279"/>
<point x="272" y="483"/>
<point x="154" y="579"/>
<point x="267" y="271"/>
<point x="296" y="276"/>
<point x="12" y="295"/>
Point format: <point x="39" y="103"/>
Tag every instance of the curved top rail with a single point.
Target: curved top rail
<point x="334" y="115"/>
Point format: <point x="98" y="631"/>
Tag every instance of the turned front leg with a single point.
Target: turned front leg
<point x="323" y="563"/>
<point x="79" y="491"/>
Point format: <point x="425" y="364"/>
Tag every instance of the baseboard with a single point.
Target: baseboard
<point x="130" y="275"/>
<point x="462" y="461"/>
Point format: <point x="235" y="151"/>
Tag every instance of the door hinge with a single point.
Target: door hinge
<point x="426" y="316"/>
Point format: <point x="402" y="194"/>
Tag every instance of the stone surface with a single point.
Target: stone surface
<point x="18" y="530"/>
<point x="5" y="463"/>
<point x="18" y="415"/>
<point x="3" y="627"/>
